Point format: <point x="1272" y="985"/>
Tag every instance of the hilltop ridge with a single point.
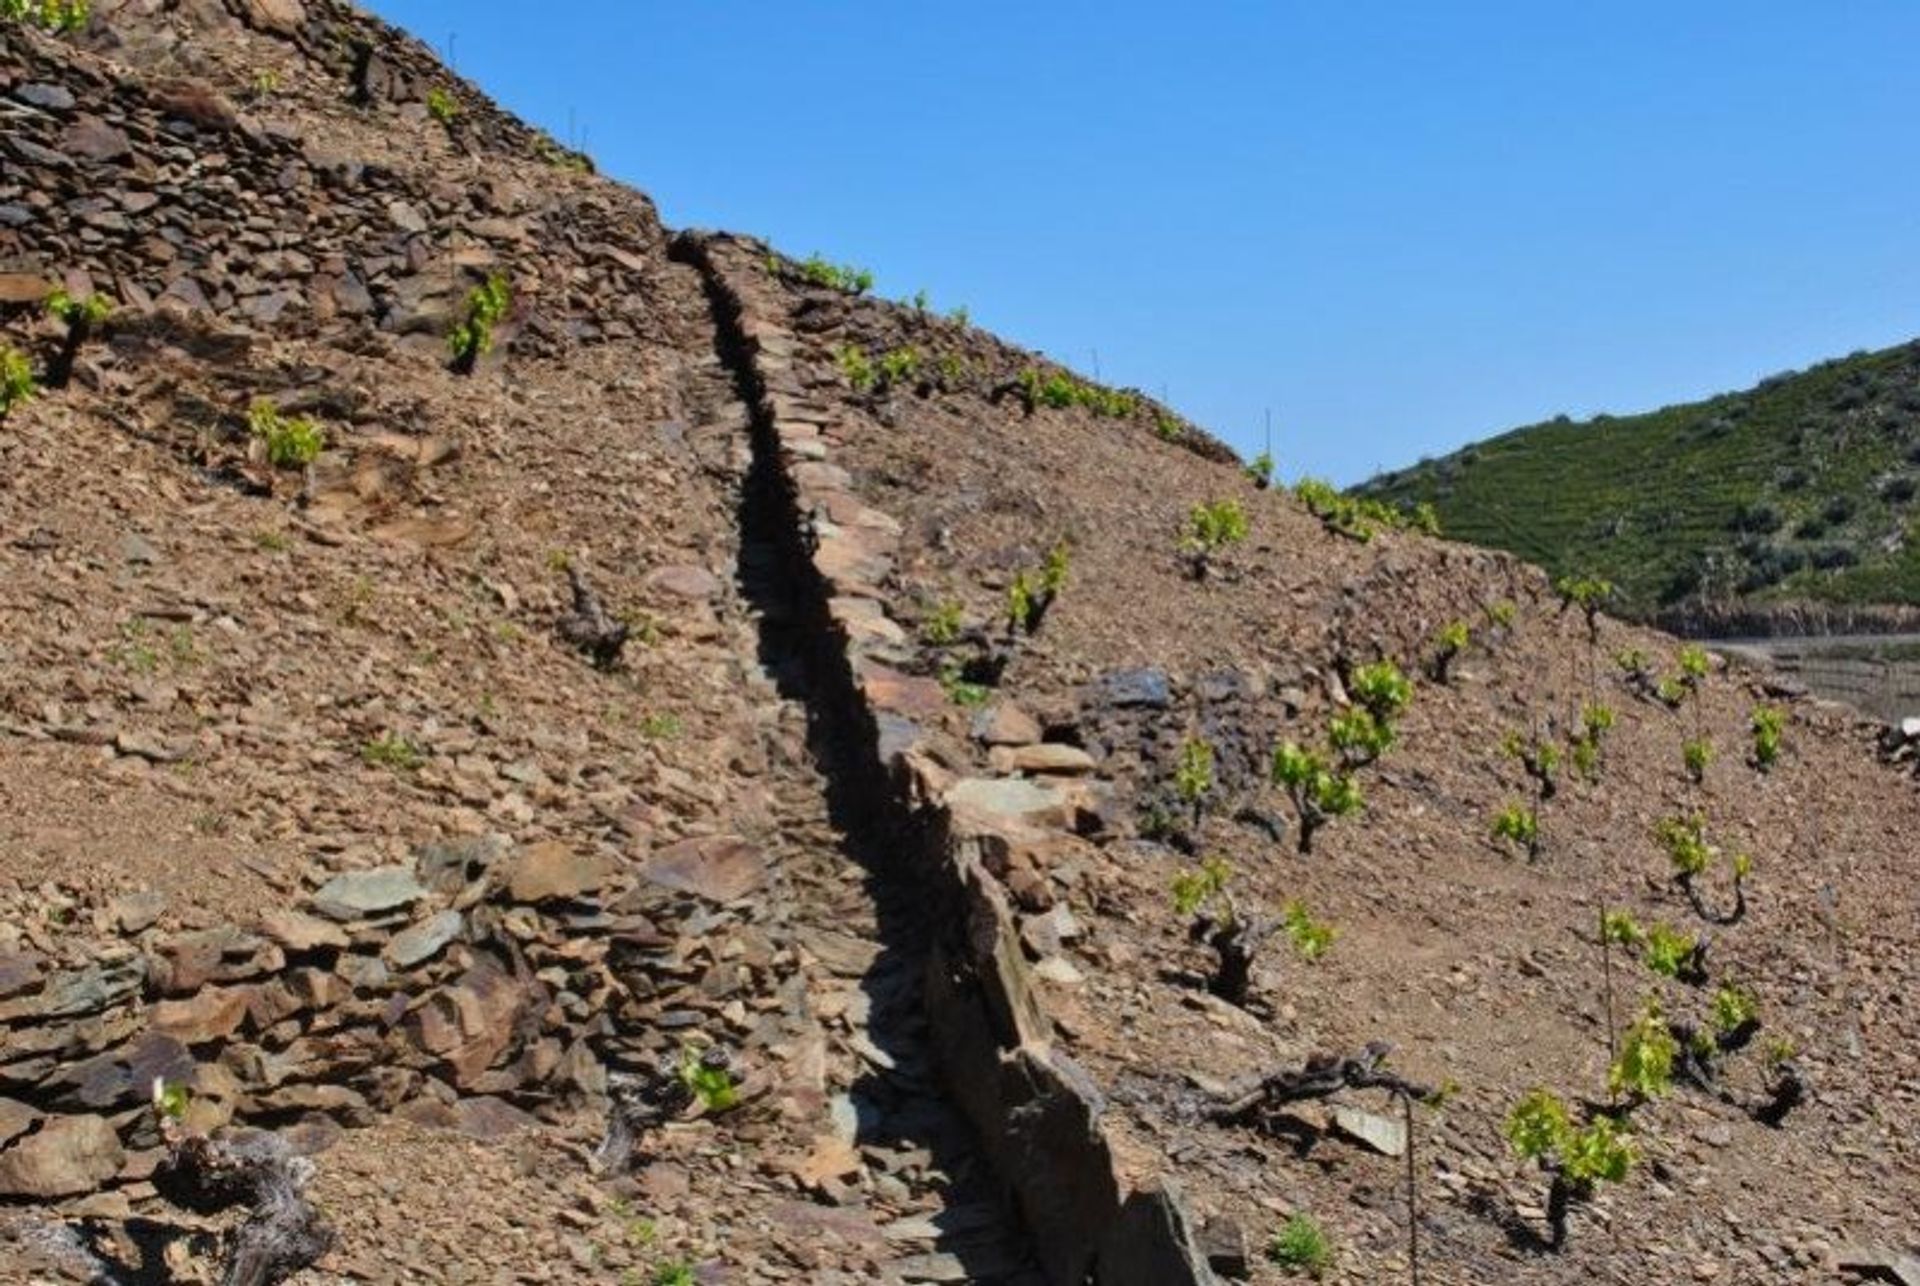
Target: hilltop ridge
<point x="1786" y="506"/>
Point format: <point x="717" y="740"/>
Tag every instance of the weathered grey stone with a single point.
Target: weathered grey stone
<point x="132" y="912"/>
<point x="425" y="940"/>
<point x="1143" y="687"/>
<point x="358" y="894"/>
<point x="89" y="990"/>
<point x="450" y="864"/>
<point x="1383" y="1134"/>
<point x="1153" y="1243"/>
<point x="53" y="98"/>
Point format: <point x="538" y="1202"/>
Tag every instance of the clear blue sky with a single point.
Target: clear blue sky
<point x="1399" y="225"/>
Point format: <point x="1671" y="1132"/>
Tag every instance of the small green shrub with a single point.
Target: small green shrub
<point x="1031" y="594"/>
<point x="660" y="726"/>
<point x="959" y="316"/>
<point x="1596" y="721"/>
<point x="1311" y="938"/>
<point x="1733" y="1008"/>
<point x="442" y="106"/>
<point x="1210" y="529"/>
<point x="1259" y="470"/>
<point x="1382" y="689"/>
<point x="1620" y="928"/>
<point x="1538" y="1126"/>
<point x="816" y="270"/>
<point x="1769" y="732"/>
<point x="1060" y="391"/>
<point x="678" y="1273"/>
<point x="1685" y="842"/>
<point x="1301" y="1248"/>
<point x="1358" y="737"/>
<point x="943" y="624"/>
<point x="953" y="371"/>
<point x="472" y="339"/>
<point x="1694" y="664"/>
<point x="1668" y="951"/>
<point x="1501" y="613"/>
<point x="78" y="313"/>
<point x="1053" y="569"/>
<point x="1356" y="518"/>
<point x="1448" y="645"/>
<point x="171" y="1100"/>
<point x="1194" y="890"/>
<point x="960" y="691"/>
<point x="1598" y="1153"/>
<point x="1644" y="1068"/>
<point x="1538" y="758"/>
<point x="61" y="17"/>
<point x="899" y="366"/>
<point x="1168" y="427"/>
<point x="708" y="1079"/>
<point x="1193" y="775"/>
<point x="1589" y="594"/>
<point x="291" y="443"/>
<point x="16" y="382"/>
<point x="1696" y="754"/>
<point x="1319" y="793"/>
<point x="392" y="751"/>
<point x="1539" y="1129"/>
<point x="857" y="367"/>
<point x="1518" y="824"/>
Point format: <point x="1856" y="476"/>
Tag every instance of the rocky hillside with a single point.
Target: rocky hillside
<point x="540" y="748"/>
<point x="1789" y="506"/>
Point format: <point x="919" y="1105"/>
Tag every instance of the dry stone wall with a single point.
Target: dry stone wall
<point x="1036" y="1112"/>
<point x="164" y="192"/>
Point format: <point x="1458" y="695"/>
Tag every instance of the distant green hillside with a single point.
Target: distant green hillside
<point x="1801" y="488"/>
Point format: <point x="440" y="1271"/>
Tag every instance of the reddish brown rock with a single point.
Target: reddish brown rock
<point x="720" y="868"/>
<point x="685" y="582"/>
<point x="547" y="870"/>
<point x="212" y="1013"/>
<point x="67" y="1155"/>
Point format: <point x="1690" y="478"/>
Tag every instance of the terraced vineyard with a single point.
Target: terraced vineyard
<point x="538" y="747"/>
<point x="1802" y="488"/>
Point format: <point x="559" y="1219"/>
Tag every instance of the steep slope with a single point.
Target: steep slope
<point x="1799" y="490"/>
<point x="932" y="493"/>
<point x="316" y="810"/>
<point x="311" y="809"/>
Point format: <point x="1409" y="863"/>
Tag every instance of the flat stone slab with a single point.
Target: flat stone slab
<point x="66" y="1156"/>
<point x="1015" y="798"/>
<point x="1383" y="1134"/>
<point x="358" y="894"/>
<point x="720" y="868"/>
<point x="425" y="940"/>
<point x="547" y="870"/>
